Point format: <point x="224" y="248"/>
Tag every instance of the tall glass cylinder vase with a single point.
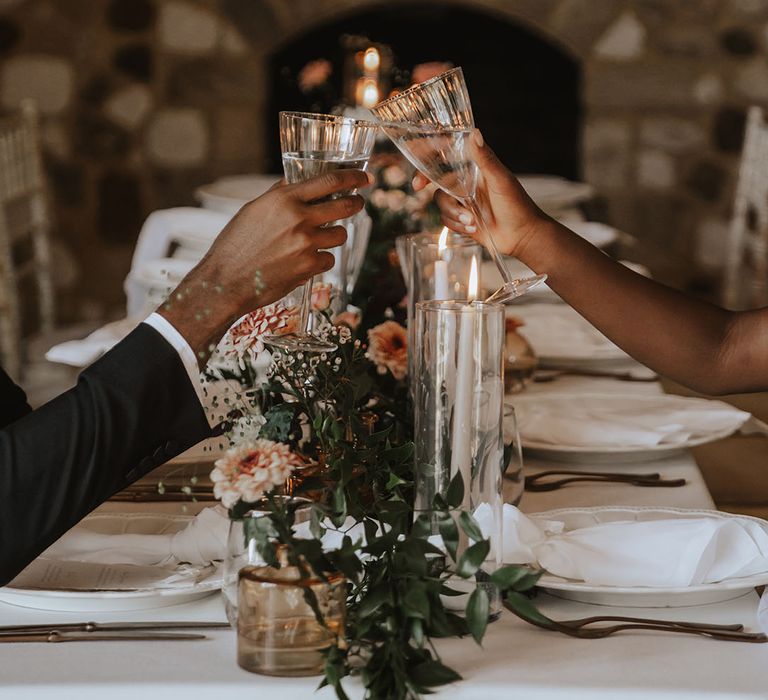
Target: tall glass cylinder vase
<point x="458" y="387"/>
<point x="436" y="266"/>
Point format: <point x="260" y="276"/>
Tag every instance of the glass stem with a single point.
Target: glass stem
<point x="305" y="312"/>
<point x="474" y="207"/>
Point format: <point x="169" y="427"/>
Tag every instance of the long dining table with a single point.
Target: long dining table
<point x="516" y="660"/>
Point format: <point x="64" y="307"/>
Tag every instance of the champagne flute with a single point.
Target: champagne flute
<point x="431" y="124"/>
<point x="313" y="144"/>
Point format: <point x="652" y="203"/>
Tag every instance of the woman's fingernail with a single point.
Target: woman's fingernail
<point x="465" y="218"/>
<point x="470" y="229"/>
<point x="477" y="135"/>
<point x="371" y="178"/>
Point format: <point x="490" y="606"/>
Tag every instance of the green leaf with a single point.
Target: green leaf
<point x="519" y="578"/>
<point x="470" y="526"/>
<point x="523" y="607"/>
<point x="374" y="599"/>
<point x="417" y="631"/>
<point x="455" y="494"/>
<point x="472" y="559"/>
<point x="450" y="534"/>
<point x="315" y="522"/>
<point x="431" y="674"/>
<point x="415" y="602"/>
<point x="278" y="420"/>
<point x="478" y="608"/>
<point x="393" y="481"/>
<point x="339" y="506"/>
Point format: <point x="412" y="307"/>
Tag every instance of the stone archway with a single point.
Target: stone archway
<point x="574" y="25"/>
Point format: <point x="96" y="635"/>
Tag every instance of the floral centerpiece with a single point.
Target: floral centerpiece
<point x="336" y="427"/>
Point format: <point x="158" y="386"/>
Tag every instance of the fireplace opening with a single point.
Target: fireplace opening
<point x="525" y="90"/>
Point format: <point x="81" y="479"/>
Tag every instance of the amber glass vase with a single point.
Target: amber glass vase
<point x="278" y="632"/>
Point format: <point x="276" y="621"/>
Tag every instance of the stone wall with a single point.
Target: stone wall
<point x="143" y="100"/>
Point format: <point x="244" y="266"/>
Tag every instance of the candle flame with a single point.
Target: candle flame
<point x="371" y="59"/>
<point x="473" y="282"/>
<point x="442" y="242"/>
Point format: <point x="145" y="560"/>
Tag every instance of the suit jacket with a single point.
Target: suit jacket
<point x="132" y="410"/>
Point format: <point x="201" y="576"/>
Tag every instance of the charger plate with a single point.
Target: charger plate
<point x="642" y="596"/>
<point x="96" y="600"/>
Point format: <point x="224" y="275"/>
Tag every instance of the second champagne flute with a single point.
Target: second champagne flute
<point x="431" y="123"/>
<point x="313" y="144"/>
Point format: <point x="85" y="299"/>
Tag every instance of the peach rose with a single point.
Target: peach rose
<point x="314" y="74"/>
<point x="246" y="336"/>
<point x="350" y="319"/>
<point x="388" y="349"/>
<point x="426" y="71"/>
<point x="247" y="471"/>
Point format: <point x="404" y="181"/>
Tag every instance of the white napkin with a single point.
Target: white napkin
<point x="655" y="553"/>
<point x="81" y="353"/>
<point x="623" y="422"/>
<point x="558" y="333"/>
<point x="200" y="542"/>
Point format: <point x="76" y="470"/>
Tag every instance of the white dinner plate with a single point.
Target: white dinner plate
<point x="598" y="234"/>
<point x="612" y="454"/>
<point x="228" y="194"/>
<point x="643" y="596"/>
<point x="553" y="193"/>
<point x="118" y="600"/>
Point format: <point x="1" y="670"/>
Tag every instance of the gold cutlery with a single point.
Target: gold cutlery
<point x="582" y="629"/>
<point x="91" y="627"/>
<point x="540" y="482"/>
<point x="56" y="636"/>
<point x="549" y="375"/>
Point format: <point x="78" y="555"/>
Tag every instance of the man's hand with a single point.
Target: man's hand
<point x="510" y="214"/>
<point x="269" y="248"/>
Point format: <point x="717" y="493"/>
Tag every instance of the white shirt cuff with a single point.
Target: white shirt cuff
<point x="181" y="346"/>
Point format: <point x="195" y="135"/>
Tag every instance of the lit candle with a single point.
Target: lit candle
<point x="441" y="267"/>
<point x="461" y="448"/>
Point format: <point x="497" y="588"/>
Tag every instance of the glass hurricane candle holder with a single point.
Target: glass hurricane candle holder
<point x="458" y="387"/>
<point x="435" y="266"/>
<point x="514" y="481"/>
<point x="278" y="633"/>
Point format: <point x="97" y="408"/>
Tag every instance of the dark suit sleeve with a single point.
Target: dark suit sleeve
<point x="13" y="402"/>
<point x="132" y="410"/>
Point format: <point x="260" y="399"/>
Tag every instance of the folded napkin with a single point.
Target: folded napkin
<point x="623" y="422"/>
<point x="81" y="353"/>
<point x="202" y="541"/>
<point x="665" y="553"/>
<point x="559" y="333"/>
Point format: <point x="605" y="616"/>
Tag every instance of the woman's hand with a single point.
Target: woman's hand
<point x="270" y="247"/>
<point x="510" y="214"/>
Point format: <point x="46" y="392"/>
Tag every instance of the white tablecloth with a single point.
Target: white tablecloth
<point x="516" y="660"/>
